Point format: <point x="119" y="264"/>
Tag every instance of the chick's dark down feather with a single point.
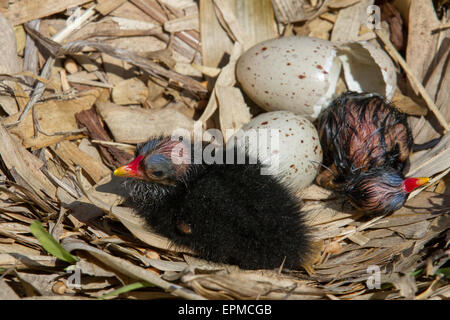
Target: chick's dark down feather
<point x="366" y="143"/>
<point x="227" y="213"/>
<point x="363" y="131"/>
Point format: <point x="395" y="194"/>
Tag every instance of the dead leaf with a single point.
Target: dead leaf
<point x="407" y="105"/>
<point x="181" y="24"/>
<point x="27" y="10"/>
<point x="421" y="42"/>
<point x="130" y="269"/>
<point x="54" y="117"/>
<point x="9" y="64"/>
<point x="134" y="125"/>
<point x="233" y="110"/>
<point x="6" y="292"/>
<point x="72" y="155"/>
<point x="349" y="21"/>
<point x="432" y="161"/>
<point x="130" y="91"/>
<point x="405" y="283"/>
<point x="26" y="164"/>
<point x="226" y="77"/>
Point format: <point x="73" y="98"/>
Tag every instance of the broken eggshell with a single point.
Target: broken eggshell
<point x="367" y="68"/>
<point x="287" y="146"/>
<point x="300" y="74"/>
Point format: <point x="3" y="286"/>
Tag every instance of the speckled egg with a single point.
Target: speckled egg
<point x="300" y="74"/>
<point x="289" y="73"/>
<point x="288" y="146"/>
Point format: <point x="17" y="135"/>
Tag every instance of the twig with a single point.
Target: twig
<point x="152" y="68"/>
<point x="116" y="144"/>
<point x="430" y="290"/>
<point x="440" y="28"/>
<point x="396" y="55"/>
<point x="46" y="70"/>
<point x="362" y="227"/>
<point x="90" y="83"/>
<point x="69" y="189"/>
<point x="30" y="60"/>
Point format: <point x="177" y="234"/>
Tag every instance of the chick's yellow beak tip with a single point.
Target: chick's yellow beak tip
<point x="120" y="172"/>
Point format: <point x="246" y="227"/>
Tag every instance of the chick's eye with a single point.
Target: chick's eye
<point x="157" y="173"/>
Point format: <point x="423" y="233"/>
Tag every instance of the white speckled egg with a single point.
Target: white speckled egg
<point x="290" y="73"/>
<point x="290" y="147"/>
<point x="300" y="74"/>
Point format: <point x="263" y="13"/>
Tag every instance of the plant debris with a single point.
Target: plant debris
<point x="84" y="81"/>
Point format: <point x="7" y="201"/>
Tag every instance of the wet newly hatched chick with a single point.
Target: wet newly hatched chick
<point x="366" y="143"/>
<point x="226" y="213"/>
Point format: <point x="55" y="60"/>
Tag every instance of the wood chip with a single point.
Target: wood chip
<point x="130" y="91"/>
<point x="227" y="77"/>
<point x="348" y="22"/>
<point x="134" y="125"/>
<point x="27" y="165"/>
<point x="210" y="30"/>
<point x="359" y="238"/>
<point x="72" y="155"/>
<point x="27" y="10"/>
<point x="421" y="42"/>
<point x="130" y="269"/>
<point x="407" y="105"/>
<point x="432" y="161"/>
<point x="233" y="111"/>
<point x="290" y="11"/>
<point x="337" y="4"/>
<point x="91" y="121"/>
<point x="55" y="118"/>
<point x="26" y="261"/>
<point x="253" y="23"/>
<point x="181" y="24"/>
<point x="413" y="230"/>
<point x="6" y="292"/>
<point x="9" y="64"/>
<point x="413" y="79"/>
<point x="106" y="6"/>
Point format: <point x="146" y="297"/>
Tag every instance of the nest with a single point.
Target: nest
<point x="100" y="76"/>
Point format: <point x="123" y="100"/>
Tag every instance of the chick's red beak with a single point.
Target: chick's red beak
<point x="412" y="183"/>
<point x="130" y="170"/>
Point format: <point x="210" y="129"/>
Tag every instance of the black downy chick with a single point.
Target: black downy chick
<point x="226" y="213"/>
<point x="366" y="143"/>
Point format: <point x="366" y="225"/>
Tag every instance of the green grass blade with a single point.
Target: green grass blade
<point x="444" y="271"/>
<point x="128" y="288"/>
<point x="50" y="244"/>
<point x="417" y="272"/>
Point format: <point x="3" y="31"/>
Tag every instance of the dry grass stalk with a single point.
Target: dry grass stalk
<point x="430" y="103"/>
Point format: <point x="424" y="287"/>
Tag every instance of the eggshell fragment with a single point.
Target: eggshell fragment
<point x="368" y="68"/>
<point x="300" y="74"/>
<point x="289" y="148"/>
